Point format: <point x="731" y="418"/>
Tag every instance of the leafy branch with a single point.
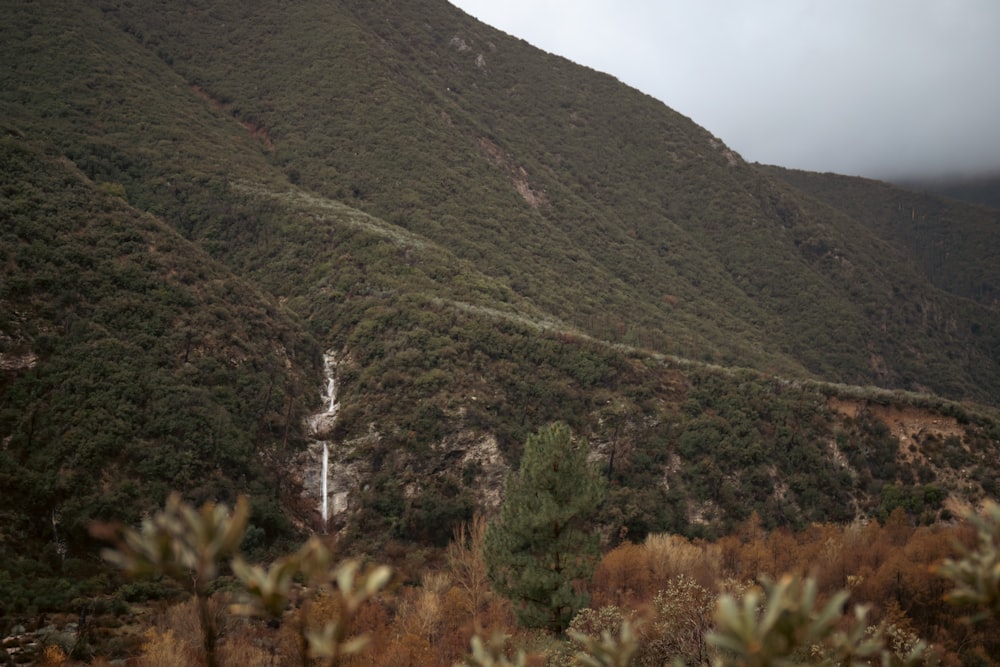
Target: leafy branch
<point x="190" y="546"/>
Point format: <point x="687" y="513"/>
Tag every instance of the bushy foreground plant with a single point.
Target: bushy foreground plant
<point x="977" y="574"/>
<point x="192" y="547"/>
<point x="787" y="624"/>
<point x="784" y="622"/>
<point x="976" y="580"/>
<point x="492" y="653"/>
<point x="187" y="545"/>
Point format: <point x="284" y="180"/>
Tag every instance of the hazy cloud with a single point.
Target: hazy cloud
<point x="879" y="88"/>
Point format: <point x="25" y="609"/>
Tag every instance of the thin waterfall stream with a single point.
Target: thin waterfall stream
<point x="321" y="424"/>
<point x="326" y="477"/>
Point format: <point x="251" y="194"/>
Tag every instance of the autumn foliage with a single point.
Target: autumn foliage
<point x="661" y="597"/>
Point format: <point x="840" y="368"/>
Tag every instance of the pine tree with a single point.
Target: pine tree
<point x="542" y="548"/>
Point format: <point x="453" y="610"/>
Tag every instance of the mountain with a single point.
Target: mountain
<point x="982" y="189"/>
<point x="954" y="247"/>
<point x="202" y="198"/>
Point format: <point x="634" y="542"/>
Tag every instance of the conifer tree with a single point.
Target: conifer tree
<point x="542" y="548"/>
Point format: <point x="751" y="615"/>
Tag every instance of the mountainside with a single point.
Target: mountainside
<point x="201" y="198"/>
<point x="538" y="170"/>
<point x="954" y="246"/>
<point x="983" y="190"/>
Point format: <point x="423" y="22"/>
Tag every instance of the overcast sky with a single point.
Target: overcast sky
<point x="880" y="88"/>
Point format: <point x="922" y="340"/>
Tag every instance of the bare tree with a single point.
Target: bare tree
<point x="468" y="568"/>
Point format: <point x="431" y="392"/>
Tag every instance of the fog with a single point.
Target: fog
<point x="887" y="89"/>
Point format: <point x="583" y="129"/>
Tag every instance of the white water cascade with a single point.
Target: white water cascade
<point x="322" y="423"/>
<point x="326" y="476"/>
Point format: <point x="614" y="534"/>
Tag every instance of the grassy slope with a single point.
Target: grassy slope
<point x="954" y="246"/>
<point x="410" y="147"/>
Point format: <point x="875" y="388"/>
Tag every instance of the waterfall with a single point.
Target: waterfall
<point x="322" y="423"/>
<point x="329" y="367"/>
<point x="326" y="474"/>
<point x="60" y="544"/>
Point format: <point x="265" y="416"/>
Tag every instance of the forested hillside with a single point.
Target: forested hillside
<point x="953" y="246"/>
<point x="601" y="205"/>
<point x="199" y="199"/>
<point x="983" y="190"/>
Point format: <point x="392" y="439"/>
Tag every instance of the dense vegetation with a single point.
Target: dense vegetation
<point x="600" y="205"/>
<point x="543" y="540"/>
<point x="956" y="252"/>
<point x="138" y="366"/>
<point x="856" y="594"/>
<point x="199" y="199"/>
<point x="980" y="189"/>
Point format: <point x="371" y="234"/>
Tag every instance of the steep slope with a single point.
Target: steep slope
<point x="953" y="244"/>
<point x="202" y="197"/>
<point x="597" y="203"/>
<point x="983" y="190"/>
<point x="132" y="364"/>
